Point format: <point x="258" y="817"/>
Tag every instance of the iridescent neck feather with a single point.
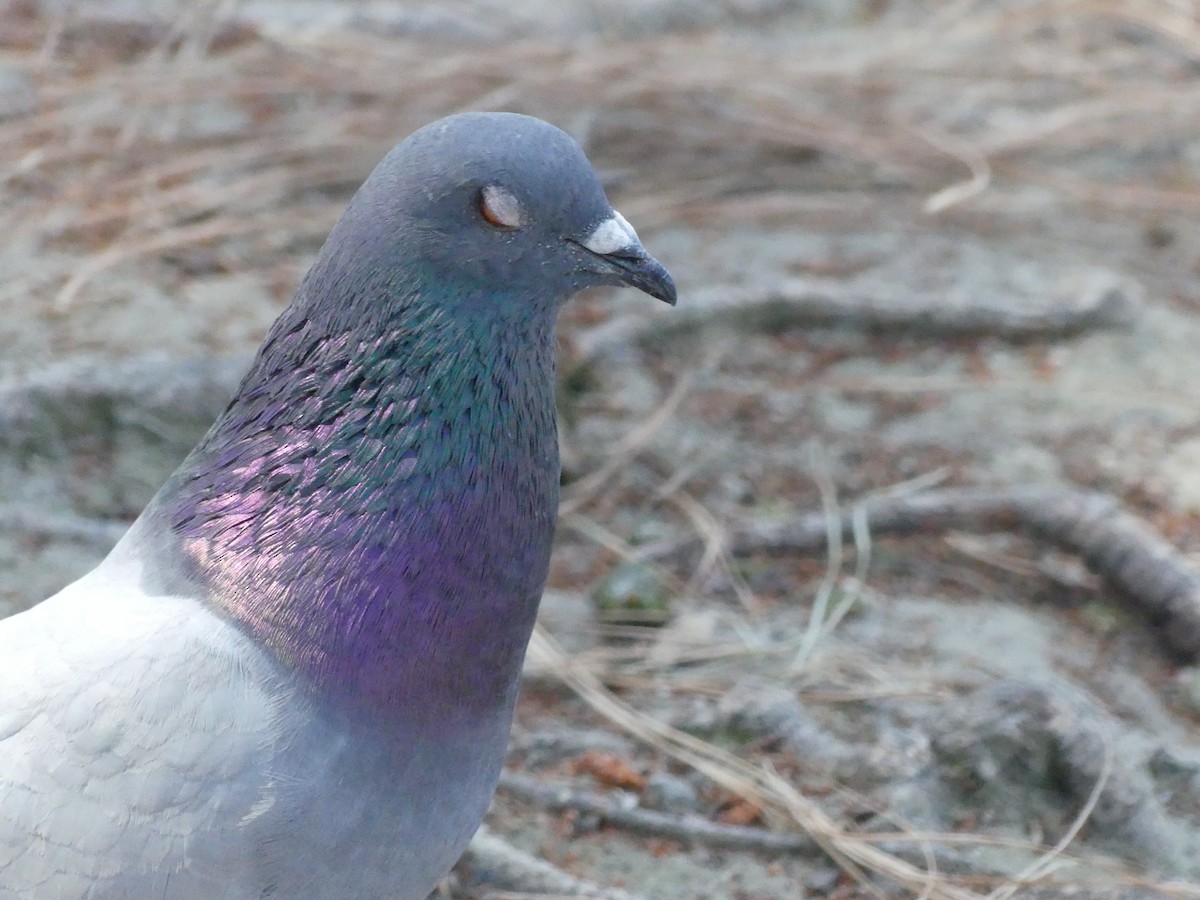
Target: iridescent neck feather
<point x="376" y="505"/>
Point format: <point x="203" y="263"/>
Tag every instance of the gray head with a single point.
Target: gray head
<point x="501" y="206"/>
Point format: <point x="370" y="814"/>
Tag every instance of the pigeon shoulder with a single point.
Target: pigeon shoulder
<point x="149" y="748"/>
<point x="133" y="730"/>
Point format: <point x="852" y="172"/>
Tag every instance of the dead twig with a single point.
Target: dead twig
<point x="582" y="491"/>
<point x="778" y="798"/>
<point x="687" y="829"/>
<point x="517" y="874"/>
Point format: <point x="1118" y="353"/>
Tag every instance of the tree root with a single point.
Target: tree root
<point x="1098" y="301"/>
<point x="1160" y="583"/>
<point x="102" y="533"/>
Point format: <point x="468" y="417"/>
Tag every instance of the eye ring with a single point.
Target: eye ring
<point x="499" y="208"/>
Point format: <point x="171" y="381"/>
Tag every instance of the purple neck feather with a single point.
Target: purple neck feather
<point x="378" y="510"/>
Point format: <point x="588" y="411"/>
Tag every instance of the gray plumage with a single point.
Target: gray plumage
<point x="294" y="677"/>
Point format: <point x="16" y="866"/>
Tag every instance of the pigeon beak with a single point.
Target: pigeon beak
<point x="616" y="245"/>
<point x="639" y="269"/>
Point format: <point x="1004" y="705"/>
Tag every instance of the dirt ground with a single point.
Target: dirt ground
<point x="920" y="248"/>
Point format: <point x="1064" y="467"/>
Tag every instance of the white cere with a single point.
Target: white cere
<point x="611" y="235"/>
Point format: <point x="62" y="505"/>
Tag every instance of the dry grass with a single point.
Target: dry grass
<point x="687" y="667"/>
<point x="146" y="146"/>
<point x="858" y="853"/>
<point x="201" y="134"/>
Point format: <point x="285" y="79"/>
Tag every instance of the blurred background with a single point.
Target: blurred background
<point x="919" y="246"/>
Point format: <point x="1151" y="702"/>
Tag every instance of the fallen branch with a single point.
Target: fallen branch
<point x="687" y="829"/>
<point x="497" y="864"/>
<point x="1116" y="545"/>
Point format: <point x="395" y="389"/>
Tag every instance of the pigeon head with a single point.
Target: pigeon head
<point x="503" y="207"/>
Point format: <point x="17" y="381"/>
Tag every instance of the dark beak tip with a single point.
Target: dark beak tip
<point x="667" y="293"/>
<point x="652" y="277"/>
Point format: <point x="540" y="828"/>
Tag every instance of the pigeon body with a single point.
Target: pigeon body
<point x="294" y="677"/>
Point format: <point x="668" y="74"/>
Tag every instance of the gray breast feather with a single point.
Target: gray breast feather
<point x="149" y="750"/>
<point x="132" y="729"/>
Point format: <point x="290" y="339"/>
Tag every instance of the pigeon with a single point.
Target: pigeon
<point x="294" y="677"/>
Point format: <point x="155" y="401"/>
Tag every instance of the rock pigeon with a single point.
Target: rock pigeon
<point x="294" y="677"/>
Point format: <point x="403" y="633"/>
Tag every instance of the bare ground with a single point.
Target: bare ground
<point x="922" y="252"/>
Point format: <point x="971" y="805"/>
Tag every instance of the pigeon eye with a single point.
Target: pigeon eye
<point x="499" y="208"/>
